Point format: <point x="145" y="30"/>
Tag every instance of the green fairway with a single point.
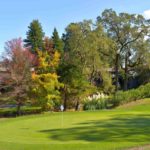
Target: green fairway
<point x="100" y="130"/>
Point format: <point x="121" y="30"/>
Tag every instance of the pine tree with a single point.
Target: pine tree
<point x="58" y="43"/>
<point x="35" y="36"/>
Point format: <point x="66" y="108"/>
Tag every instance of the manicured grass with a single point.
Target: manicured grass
<point x="100" y="130"/>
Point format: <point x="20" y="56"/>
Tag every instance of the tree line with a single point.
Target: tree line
<point x="102" y="55"/>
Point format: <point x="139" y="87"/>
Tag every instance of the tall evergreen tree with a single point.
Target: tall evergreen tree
<point x="58" y="43"/>
<point x="35" y="36"/>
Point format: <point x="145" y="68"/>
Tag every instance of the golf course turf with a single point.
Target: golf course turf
<point x="115" y="129"/>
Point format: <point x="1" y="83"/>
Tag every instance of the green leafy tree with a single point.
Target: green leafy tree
<point x="76" y="87"/>
<point x="83" y="62"/>
<point x="142" y="66"/>
<point x="85" y="46"/>
<point x="35" y="36"/>
<point x="125" y="30"/>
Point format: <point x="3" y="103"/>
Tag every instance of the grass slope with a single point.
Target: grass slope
<point x="100" y="130"/>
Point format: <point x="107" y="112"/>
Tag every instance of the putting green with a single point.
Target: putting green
<point x="100" y="130"/>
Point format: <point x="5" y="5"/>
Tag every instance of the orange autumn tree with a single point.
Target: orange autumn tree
<point x="46" y="86"/>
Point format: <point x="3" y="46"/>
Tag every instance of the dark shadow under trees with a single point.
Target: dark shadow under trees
<point x="124" y="129"/>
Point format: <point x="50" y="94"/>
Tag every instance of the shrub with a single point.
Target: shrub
<point x="122" y="97"/>
<point x="95" y="104"/>
<point x="12" y="112"/>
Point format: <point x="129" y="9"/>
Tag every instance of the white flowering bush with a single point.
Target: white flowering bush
<point x="95" y="102"/>
<point x="97" y="96"/>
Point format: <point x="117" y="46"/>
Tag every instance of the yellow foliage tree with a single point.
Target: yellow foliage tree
<point x="45" y="80"/>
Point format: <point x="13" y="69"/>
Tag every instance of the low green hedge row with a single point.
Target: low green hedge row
<point x="11" y="112"/>
<point x="122" y="97"/>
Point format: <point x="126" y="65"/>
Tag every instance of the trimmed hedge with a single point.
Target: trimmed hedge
<point x="11" y="112"/>
<point x="122" y="97"/>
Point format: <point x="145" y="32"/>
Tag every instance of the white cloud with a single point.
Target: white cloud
<point x="146" y="14"/>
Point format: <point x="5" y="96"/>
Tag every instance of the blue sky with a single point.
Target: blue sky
<point x="15" y="15"/>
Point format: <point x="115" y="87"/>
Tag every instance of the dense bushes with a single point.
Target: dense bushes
<point x="12" y="112"/>
<point x="122" y="97"/>
<point x="94" y="104"/>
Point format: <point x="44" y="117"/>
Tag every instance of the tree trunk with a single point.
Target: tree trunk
<point x="116" y="72"/>
<point x="126" y="73"/>
<point x="77" y="106"/>
<point x="19" y="109"/>
<point x="65" y="98"/>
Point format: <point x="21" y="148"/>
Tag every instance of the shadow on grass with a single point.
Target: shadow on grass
<point x="122" y="128"/>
